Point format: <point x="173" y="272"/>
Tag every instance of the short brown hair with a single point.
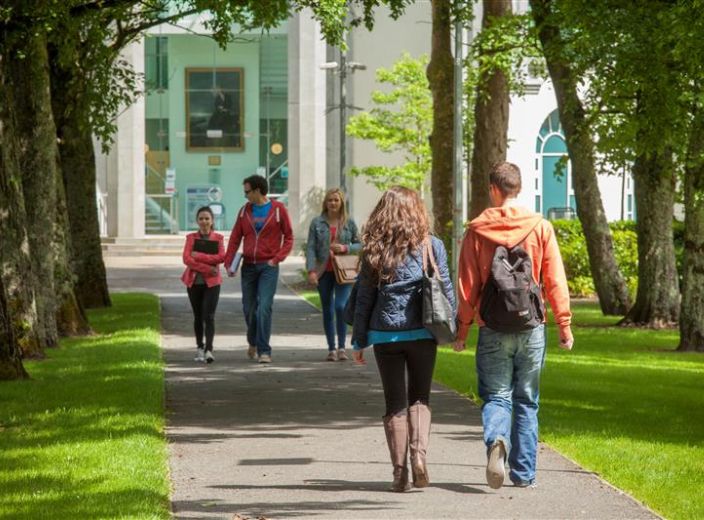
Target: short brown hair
<point x="506" y="177"/>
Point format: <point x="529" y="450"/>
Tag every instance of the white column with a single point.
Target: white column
<point x="306" y="122"/>
<point x="125" y="163"/>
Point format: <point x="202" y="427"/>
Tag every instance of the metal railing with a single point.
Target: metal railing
<point x="271" y="178"/>
<point x="101" y="202"/>
<point x="161" y="213"/>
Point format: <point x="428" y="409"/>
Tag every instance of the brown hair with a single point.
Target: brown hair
<point x="343" y="206"/>
<point x="397" y="226"/>
<point x="506" y="177"/>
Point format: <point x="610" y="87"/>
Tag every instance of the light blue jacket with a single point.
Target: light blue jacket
<point x="318" y="246"/>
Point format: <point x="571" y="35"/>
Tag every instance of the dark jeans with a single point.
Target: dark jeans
<point x="204" y="301"/>
<point x="258" y="289"/>
<point x="394" y="359"/>
<point x="333" y="298"/>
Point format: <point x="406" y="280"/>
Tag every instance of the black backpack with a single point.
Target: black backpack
<point x="511" y="299"/>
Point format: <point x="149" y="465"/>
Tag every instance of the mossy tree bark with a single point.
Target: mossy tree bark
<point x="609" y="283"/>
<point x="491" y="112"/>
<point x="441" y="79"/>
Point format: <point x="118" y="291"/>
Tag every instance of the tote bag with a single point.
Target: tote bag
<point x="438" y="317"/>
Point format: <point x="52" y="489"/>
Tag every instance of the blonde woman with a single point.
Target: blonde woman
<point x="388" y="311"/>
<point x="331" y="233"/>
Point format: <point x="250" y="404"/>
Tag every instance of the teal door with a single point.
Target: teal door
<point x="556" y="190"/>
<point x="554" y="187"/>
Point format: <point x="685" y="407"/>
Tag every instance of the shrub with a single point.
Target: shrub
<point x="576" y="259"/>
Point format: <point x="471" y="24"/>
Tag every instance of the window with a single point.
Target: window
<point x="214" y="109"/>
<point x="156" y="64"/>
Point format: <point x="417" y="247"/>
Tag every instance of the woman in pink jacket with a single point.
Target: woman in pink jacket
<point x="202" y="277"/>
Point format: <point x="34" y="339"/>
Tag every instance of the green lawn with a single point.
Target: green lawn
<point x="84" y="438"/>
<point x="622" y="404"/>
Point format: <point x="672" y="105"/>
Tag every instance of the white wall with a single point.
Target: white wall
<point x="380" y="48"/>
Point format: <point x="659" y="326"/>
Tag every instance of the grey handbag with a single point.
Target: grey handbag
<point x="438" y="317"/>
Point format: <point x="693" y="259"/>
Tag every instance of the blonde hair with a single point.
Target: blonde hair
<point x="397" y="226"/>
<point x="343" y="205"/>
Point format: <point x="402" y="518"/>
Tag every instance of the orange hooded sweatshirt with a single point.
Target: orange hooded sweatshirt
<point x="508" y="226"/>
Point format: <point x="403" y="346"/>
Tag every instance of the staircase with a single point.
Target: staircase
<point x="153" y="245"/>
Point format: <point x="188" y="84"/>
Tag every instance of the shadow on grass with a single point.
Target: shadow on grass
<point x="83" y="438"/>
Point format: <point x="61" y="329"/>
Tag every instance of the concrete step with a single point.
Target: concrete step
<point x="150" y="245"/>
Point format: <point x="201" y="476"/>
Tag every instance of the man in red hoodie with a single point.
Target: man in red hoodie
<point x="265" y="228"/>
<point x="509" y="363"/>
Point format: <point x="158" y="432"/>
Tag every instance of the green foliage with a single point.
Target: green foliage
<point x="509" y="45"/>
<point x="576" y="259"/>
<point x="623" y="233"/>
<point x="622" y="404"/>
<point x="84" y="438"/>
<point x="401" y="121"/>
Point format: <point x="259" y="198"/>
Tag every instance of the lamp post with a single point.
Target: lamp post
<point x="343" y="69"/>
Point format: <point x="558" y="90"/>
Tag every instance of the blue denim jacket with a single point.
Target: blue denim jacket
<point x="397" y="305"/>
<point x="318" y="246"/>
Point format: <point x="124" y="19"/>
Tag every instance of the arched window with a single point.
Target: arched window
<point x="554" y="175"/>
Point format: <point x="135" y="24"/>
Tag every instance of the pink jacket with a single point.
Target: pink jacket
<point x="203" y="263"/>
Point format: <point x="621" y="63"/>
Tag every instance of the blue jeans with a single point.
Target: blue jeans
<point x="333" y="298"/>
<point x="258" y="289"/>
<point x="508" y="369"/>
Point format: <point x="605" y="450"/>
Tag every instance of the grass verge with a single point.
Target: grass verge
<point x="621" y="404"/>
<point x="84" y="438"/>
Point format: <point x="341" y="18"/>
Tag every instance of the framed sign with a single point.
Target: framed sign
<point x="214" y="109"/>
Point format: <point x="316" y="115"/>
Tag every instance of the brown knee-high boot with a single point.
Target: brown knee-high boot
<point x="396" y="429"/>
<point x="419" y="436"/>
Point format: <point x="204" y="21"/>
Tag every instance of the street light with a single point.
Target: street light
<point x="343" y="68"/>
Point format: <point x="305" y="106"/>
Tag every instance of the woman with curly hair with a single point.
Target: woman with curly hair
<point x="388" y="314"/>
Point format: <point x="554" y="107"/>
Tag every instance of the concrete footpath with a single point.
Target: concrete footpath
<point x="302" y="437"/>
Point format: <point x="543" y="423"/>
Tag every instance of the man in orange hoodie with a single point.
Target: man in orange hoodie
<point x="509" y="362"/>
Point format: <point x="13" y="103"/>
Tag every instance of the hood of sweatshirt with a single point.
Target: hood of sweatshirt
<point x="506" y="226"/>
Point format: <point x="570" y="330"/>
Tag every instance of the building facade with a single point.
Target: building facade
<point x="268" y="105"/>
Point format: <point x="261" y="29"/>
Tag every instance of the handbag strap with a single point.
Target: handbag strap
<point x="429" y="255"/>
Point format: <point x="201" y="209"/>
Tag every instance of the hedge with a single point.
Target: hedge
<point x="574" y="253"/>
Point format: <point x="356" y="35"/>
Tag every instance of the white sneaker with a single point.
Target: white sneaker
<point x="341" y="355"/>
<point x="252" y="352"/>
<point x="209" y="357"/>
<point x="331" y="356"/>
<point x="265" y="358"/>
<point x="495" y="466"/>
<point x="200" y="355"/>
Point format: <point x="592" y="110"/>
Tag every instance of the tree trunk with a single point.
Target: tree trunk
<point x="16" y="276"/>
<point x="490" y="119"/>
<point x="37" y="152"/>
<point x="10" y="356"/>
<point x="77" y="165"/>
<point x="608" y="281"/>
<point x="441" y="79"/>
<point x="692" y="306"/>
<point x="71" y="319"/>
<point x="657" y="299"/>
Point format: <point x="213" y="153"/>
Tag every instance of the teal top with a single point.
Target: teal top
<point x="394" y="336"/>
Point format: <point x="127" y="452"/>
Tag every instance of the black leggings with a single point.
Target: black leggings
<point x="204" y="301"/>
<point x="393" y="359"/>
